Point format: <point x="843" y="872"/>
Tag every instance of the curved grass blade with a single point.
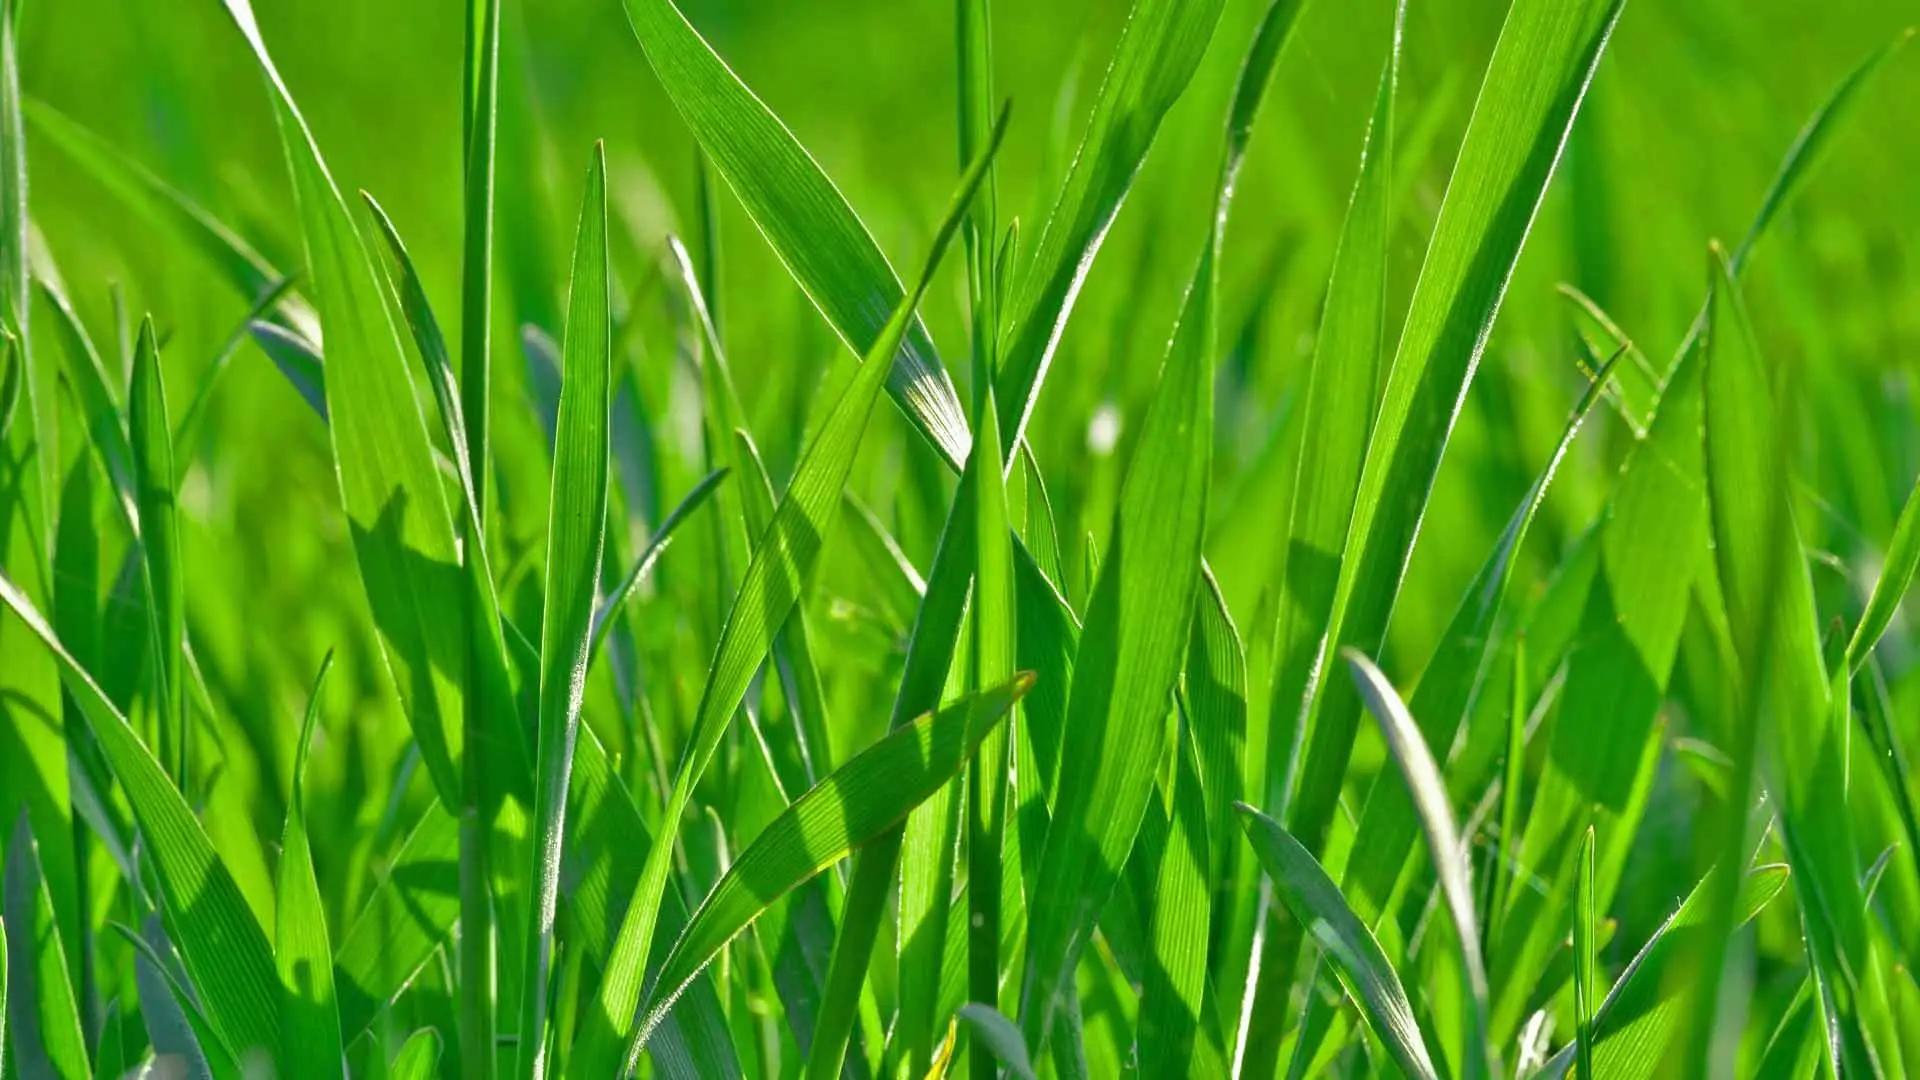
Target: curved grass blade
<point x="803" y="216"/>
<point x="1159" y="50"/>
<point x="1429" y="794"/>
<point x="1348" y="944"/>
<point x="105" y="426"/>
<point x="1545" y="57"/>
<point x="419" y="1057"/>
<point x="621" y="593"/>
<point x="860" y="801"/>
<point x="186" y="433"/>
<point x="994" y="1034"/>
<point x="780" y="563"/>
<point x="309" y="1012"/>
<point x="1896" y="576"/>
<point x="45" y="1026"/>
<point x="179" y="1030"/>
<point x="225" y="950"/>
<point x="152" y="440"/>
<point x="576" y="538"/>
<point x="1586" y="963"/>
<point x="298" y="360"/>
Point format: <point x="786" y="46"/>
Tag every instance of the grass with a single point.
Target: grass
<point x="1354" y="576"/>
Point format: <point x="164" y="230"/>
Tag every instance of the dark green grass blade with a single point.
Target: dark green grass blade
<point x="771" y="587"/>
<point x="1349" y="946"/>
<point x="309" y="1011"/>
<point x="152" y="439"/>
<point x="576" y="537"/>
<point x="1158" y="52"/>
<point x="860" y="801"/>
<point x="186" y="431"/>
<point x="1444" y="846"/>
<point x="46" y="1040"/>
<point x="995" y="1035"/>
<point x="1539" y="73"/>
<point x="226" y="952"/>
<point x="802" y="215"/>
<point x="3" y="993"/>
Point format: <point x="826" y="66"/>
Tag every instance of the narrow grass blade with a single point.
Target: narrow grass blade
<point x="1444" y="844"/>
<point x="87" y="374"/>
<point x="179" y="1030"/>
<point x="1533" y="87"/>
<point x="1586" y="962"/>
<point x="803" y="216"/>
<point x="186" y="431"/>
<point x="152" y="438"/>
<point x="617" y="598"/>
<point x="997" y="1036"/>
<point x="419" y="1057"/>
<point x="1173" y="997"/>
<point x="1159" y="50"/>
<point x="225" y="950"/>
<point x="576" y="537"/>
<point x="860" y="801"/>
<point x="771" y="587"/>
<point x="1216" y="695"/>
<point x="44" y="1027"/>
<point x="309" y="1012"/>
<point x="1355" y="955"/>
<point x="4" y="1006"/>
<point x="298" y="360"/>
<point x="1896" y="576"/>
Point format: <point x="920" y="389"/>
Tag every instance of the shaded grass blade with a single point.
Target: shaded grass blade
<point x="995" y="1035"/>
<point x="45" y="1023"/>
<point x="309" y="1012"/>
<point x="152" y="440"/>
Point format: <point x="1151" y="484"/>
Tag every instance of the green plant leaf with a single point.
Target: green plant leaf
<point x="1896" y="576"/>
<point x="617" y="598"/>
<point x="993" y="1033"/>
<point x="45" y="1026"/>
<point x="860" y="801"/>
<point x="419" y="1057"/>
<point x="803" y="216"/>
<point x="151" y="434"/>
<point x="1347" y="943"/>
<point x="225" y="950"/>
<point x="1586" y="963"/>
<point x="309" y="1012"/>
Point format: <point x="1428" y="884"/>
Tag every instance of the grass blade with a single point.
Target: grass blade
<point x="419" y="1057"/>
<point x="152" y="438"/>
<point x="45" y="1026"/>
<point x="1586" y="962"/>
<point x="999" y="1037"/>
<point x="860" y="801"/>
<point x="309" y="1013"/>
<point x="576" y="536"/>
<point x="1349" y="945"/>
<point x="617" y="598"/>
<point x="1896" y="576"/>
<point x="803" y="216"/>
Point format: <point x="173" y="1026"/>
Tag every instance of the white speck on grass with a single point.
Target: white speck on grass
<point x="1103" y="431"/>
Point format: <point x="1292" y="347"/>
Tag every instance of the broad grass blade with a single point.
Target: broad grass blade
<point x="419" y="1057"/>
<point x="1349" y="945"/>
<point x="46" y="1038"/>
<point x="152" y="440"/>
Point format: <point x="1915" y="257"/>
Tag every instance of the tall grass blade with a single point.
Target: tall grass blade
<point x="45" y="1024"/>
<point x="419" y="1057"/>
<point x="997" y="1037"/>
<point x="152" y="439"/>
<point x="1586" y="962"/>
<point x="309" y="1012"/>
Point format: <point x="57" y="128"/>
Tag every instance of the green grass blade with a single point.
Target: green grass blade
<point x="179" y="1028"/>
<point x="480" y="111"/>
<point x="1586" y="961"/>
<point x="152" y="439"/>
<point x="186" y="432"/>
<point x="419" y="1057"/>
<point x="1351" y="948"/>
<point x="1174" y="994"/>
<point x="992" y="662"/>
<point x="45" y="1030"/>
<point x="576" y="537"/>
<point x="771" y="587"/>
<point x="408" y="916"/>
<point x="226" y="952"/>
<point x="1539" y="73"/>
<point x="802" y="215"/>
<point x="3" y="993"/>
<point x="1896" y="576"/>
<point x="995" y="1035"/>
<point x="105" y="426"/>
<point x="1129" y="658"/>
<point x="859" y="802"/>
<point x="1444" y="845"/>
<point x="1158" y="52"/>
<point x="298" y="360"/>
<point x="617" y="598"/>
<point x="309" y="1011"/>
<point x="1216" y="694"/>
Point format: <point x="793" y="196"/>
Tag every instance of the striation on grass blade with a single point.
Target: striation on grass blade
<point x="151" y="436"/>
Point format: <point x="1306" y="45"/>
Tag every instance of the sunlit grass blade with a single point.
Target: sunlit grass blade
<point x="1586" y="963"/>
<point x="576" y="537"/>
<point x="860" y="801"/>
<point x="1173" y="997"/>
<point x="179" y="1029"/>
<point x="1444" y="844"/>
<point x="408" y="916"/>
<point x="225" y="950"/>
<point x="617" y="597"/>
<point x="1216" y="696"/>
<point x="46" y="1038"/>
<point x="1532" y="90"/>
<point x="1896" y="575"/>
<point x="1158" y="52"/>
<point x="802" y="215"/>
<point x="1635" y="390"/>
<point x="771" y="587"/>
<point x="419" y="1057"/>
<point x="309" y="1012"/>
<point x="298" y="360"/>
<point x="1349" y="945"/>
<point x="106" y="427"/>
<point x="186" y="431"/>
<point x="152" y="440"/>
<point x="995" y="1035"/>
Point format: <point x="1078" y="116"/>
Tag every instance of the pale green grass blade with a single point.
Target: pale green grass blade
<point x="1784" y="696"/>
<point x="856" y="804"/>
<point x="45" y="1029"/>
<point x="419" y="1057"/>
<point x="245" y="269"/>
<point x="392" y="492"/>
<point x="1158" y="52"/>
<point x="480" y="114"/>
<point x="992" y="662"/>
<point x="1444" y="845"/>
<point x="87" y="374"/>
<point x="1129" y="658"/>
<point x="1635" y="391"/>
<point x="1348" y="945"/>
<point x="994" y="1034"/>
<point x="153" y="474"/>
<point x="1896" y="576"/>
<point x="226" y="952"/>
<point x="1586" y="962"/>
<point x="617" y="598"/>
<point x="576" y="538"/>
<point x="186" y="431"/>
<point x="1633" y="1024"/>
<point x="803" y="216"/>
<point x="771" y="587"/>
<point x="309" y="1011"/>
